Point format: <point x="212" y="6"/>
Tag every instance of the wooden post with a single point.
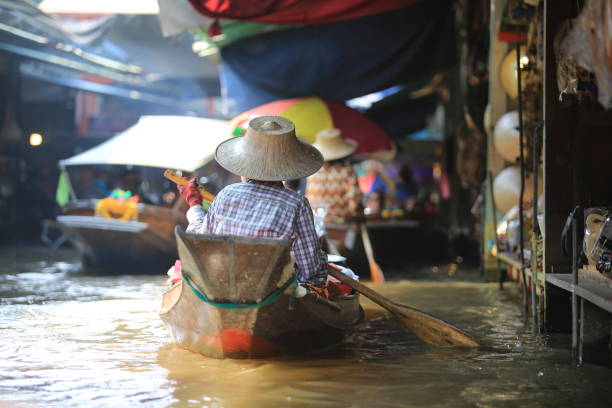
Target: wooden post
<point x="522" y="167"/>
<point x="534" y="231"/>
<point x="575" y="311"/>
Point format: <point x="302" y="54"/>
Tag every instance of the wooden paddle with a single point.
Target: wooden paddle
<point x="430" y="329"/>
<point x="182" y="181"/>
<point x="375" y="272"/>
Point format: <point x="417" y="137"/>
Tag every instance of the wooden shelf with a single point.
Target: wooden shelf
<point x="515" y="263"/>
<point x="594" y="276"/>
<point x="599" y="295"/>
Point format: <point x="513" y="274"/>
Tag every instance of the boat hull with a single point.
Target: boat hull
<point x="258" y="332"/>
<point x="113" y="246"/>
<point x="236" y="300"/>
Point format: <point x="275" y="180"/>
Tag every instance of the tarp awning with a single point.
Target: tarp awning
<point x="295" y="11"/>
<point x="173" y="142"/>
<point x="341" y="60"/>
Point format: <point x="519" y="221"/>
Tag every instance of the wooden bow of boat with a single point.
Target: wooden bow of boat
<point x="237" y="300"/>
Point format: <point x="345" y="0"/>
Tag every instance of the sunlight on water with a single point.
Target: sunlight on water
<point x="70" y="340"/>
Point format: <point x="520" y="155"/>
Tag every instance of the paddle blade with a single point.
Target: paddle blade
<point x="430" y="329"/>
<point x="433" y="331"/>
<point x="376" y="273"/>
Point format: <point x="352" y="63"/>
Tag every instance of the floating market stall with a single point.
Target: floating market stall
<point x="120" y="232"/>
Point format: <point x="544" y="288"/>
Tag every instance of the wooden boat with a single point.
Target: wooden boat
<point x="144" y="241"/>
<point x="236" y="300"/>
<point x="142" y="245"/>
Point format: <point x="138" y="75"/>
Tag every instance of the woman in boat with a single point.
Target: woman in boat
<point x="260" y="206"/>
<point x="335" y="187"/>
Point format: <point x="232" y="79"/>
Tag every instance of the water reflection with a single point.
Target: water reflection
<point x="70" y="340"/>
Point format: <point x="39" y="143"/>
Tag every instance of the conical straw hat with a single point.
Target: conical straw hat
<point x="269" y="151"/>
<point x="332" y="145"/>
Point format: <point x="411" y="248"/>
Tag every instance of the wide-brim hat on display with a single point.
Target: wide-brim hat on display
<point x="332" y="145"/>
<point x="269" y="151"/>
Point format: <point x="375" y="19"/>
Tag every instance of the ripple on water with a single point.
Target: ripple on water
<point x="70" y="340"/>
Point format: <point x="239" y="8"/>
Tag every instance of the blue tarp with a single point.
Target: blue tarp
<point x="342" y="60"/>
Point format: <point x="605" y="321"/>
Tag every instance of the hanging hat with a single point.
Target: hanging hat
<point x="332" y="145"/>
<point x="269" y="151"/>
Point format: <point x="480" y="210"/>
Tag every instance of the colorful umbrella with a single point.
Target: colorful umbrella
<point x="372" y="181"/>
<point x="310" y="115"/>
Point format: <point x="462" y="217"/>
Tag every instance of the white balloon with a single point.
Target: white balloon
<point x="506" y="137"/>
<point x="487" y="119"/>
<point x="508" y="74"/>
<point x="507" y="188"/>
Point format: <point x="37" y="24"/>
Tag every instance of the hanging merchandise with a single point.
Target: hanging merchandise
<point x="506" y="136"/>
<point x="487" y="118"/>
<point x="507" y="188"/>
<point x="471" y="154"/>
<point x="585" y="49"/>
<point x="602" y="250"/>
<point x="532" y="88"/>
<point x="514" y="22"/>
<point x="508" y="74"/>
<point x="593" y="224"/>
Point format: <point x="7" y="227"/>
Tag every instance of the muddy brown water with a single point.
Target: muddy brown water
<point x="74" y="340"/>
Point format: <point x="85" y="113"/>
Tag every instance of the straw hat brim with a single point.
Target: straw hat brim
<point x="260" y="163"/>
<point x="336" y="151"/>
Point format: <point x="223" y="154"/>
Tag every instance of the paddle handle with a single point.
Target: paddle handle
<point x="364" y="290"/>
<point x="182" y="181"/>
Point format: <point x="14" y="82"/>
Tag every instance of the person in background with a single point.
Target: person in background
<point x="89" y="186"/>
<point x="131" y="181"/>
<point x="260" y="206"/>
<point x="335" y="186"/>
<point x="405" y="189"/>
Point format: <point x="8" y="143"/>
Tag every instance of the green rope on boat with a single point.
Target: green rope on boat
<point x="271" y="298"/>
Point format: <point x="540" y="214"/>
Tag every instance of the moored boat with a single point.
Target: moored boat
<point x="237" y="299"/>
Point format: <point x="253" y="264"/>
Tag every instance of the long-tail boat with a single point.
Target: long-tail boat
<point x="136" y="237"/>
<point x="238" y="298"/>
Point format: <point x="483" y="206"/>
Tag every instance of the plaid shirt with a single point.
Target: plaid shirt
<point x="264" y="209"/>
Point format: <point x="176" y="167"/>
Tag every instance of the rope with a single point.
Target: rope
<point x="271" y="298"/>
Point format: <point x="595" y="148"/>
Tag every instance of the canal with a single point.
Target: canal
<point x="74" y="340"/>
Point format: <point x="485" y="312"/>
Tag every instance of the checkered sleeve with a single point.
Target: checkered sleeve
<point x="310" y="260"/>
<point x="200" y="221"/>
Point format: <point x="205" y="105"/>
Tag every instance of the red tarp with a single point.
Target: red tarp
<point x="295" y="11"/>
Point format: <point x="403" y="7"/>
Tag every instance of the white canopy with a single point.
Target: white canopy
<point x="169" y="142"/>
